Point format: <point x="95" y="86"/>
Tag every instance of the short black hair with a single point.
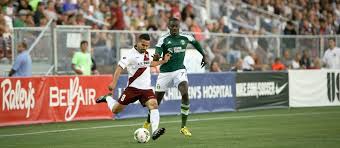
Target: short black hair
<point x="83" y="42"/>
<point x="277" y="59"/>
<point x="144" y="36"/>
<point x="24" y="45"/>
<point x="173" y="19"/>
<point x="290" y="23"/>
<point x="331" y="39"/>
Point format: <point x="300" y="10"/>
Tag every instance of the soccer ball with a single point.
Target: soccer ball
<point x="142" y="135"/>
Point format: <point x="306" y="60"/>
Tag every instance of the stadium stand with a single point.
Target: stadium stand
<point x="247" y="18"/>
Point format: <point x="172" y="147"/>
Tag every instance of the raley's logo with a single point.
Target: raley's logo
<point x="333" y="88"/>
<point x="18" y="98"/>
<point x="72" y="98"/>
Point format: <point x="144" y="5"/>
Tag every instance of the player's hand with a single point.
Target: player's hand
<point x="79" y="72"/>
<point x="204" y="61"/>
<point x="110" y="87"/>
<point x="167" y="57"/>
<point x="156" y="57"/>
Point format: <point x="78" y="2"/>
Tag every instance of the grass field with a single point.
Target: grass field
<point x="302" y="127"/>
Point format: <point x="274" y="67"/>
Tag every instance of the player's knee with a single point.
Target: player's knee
<point x="152" y="104"/>
<point x="183" y="88"/>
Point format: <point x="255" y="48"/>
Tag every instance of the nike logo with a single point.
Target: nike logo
<point x="278" y="90"/>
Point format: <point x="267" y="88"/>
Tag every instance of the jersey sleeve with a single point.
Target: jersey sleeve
<point x="250" y="60"/>
<point x="159" y="45"/>
<point x="75" y="58"/>
<point x="17" y="63"/>
<point x="195" y="43"/>
<point x="324" y="58"/>
<point x="124" y="61"/>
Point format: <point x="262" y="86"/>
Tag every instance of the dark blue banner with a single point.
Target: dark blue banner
<point x="208" y="92"/>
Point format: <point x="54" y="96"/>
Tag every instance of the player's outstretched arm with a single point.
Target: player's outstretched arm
<point x="199" y="48"/>
<point x="115" y="78"/>
<point x="165" y="59"/>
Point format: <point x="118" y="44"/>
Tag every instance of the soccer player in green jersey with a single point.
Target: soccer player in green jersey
<point x="173" y="73"/>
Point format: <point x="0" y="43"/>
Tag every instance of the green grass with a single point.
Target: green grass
<point x="302" y="127"/>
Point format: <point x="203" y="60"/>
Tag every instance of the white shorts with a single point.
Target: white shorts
<point x="170" y="79"/>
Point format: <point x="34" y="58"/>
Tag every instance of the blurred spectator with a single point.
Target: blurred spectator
<point x="238" y="66"/>
<point x="331" y="58"/>
<point x="316" y="63"/>
<point x="305" y="61"/>
<point x="296" y="62"/>
<point x="80" y="20"/>
<point x="23" y="19"/>
<point x="23" y="5"/>
<point x="34" y="4"/>
<point x="207" y="29"/>
<point x="50" y="11"/>
<point x="223" y="27"/>
<point x="323" y="27"/>
<point x="197" y="30"/>
<point x="249" y="62"/>
<point x="187" y="11"/>
<point x="286" y="60"/>
<point x="289" y="30"/>
<point x="306" y="28"/>
<point x="215" y="67"/>
<point x="277" y="65"/>
<point x="117" y="16"/>
<point x="5" y="43"/>
<point x="22" y="66"/>
<point x="87" y="12"/>
<point x="69" y="7"/>
<point x="100" y="13"/>
<point x="39" y="13"/>
<point x="82" y="61"/>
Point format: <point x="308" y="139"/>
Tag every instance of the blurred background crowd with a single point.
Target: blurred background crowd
<point x="246" y="20"/>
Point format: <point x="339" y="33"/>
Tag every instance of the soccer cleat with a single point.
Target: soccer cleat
<point x="159" y="132"/>
<point x="185" y="131"/>
<point x="146" y="125"/>
<point x="101" y="99"/>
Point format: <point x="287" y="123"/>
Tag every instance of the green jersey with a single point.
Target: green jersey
<point x="83" y="62"/>
<point x="176" y="46"/>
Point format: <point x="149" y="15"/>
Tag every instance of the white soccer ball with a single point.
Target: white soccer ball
<point x="142" y="135"/>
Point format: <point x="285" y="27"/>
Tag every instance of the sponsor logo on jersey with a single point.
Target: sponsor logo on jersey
<point x="257" y="89"/>
<point x="182" y="42"/>
<point x="176" y="50"/>
<point x="333" y="86"/>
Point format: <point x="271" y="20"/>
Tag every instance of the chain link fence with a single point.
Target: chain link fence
<point x="225" y="49"/>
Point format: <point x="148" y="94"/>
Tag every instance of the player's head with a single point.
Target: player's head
<point x="83" y="45"/>
<point x="331" y="43"/>
<point x="21" y="47"/>
<point x="173" y="26"/>
<point x="143" y="43"/>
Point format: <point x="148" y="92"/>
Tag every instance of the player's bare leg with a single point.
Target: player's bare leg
<point x="112" y="104"/>
<point x="159" y="96"/>
<point x="183" y="88"/>
<point x="154" y="118"/>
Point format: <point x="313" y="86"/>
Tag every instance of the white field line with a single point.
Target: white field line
<point x="166" y="122"/>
